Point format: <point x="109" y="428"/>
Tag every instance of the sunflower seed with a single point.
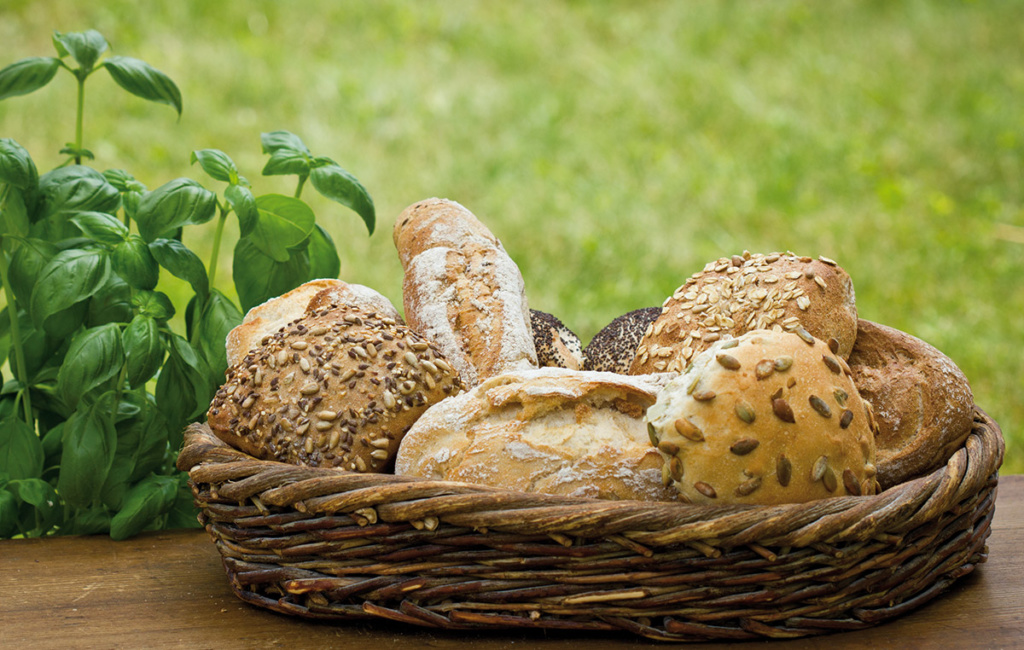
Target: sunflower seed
<point x="705" y="489"/>
<point x="846" y="419"/>
<point x="380" y="443"/>
<point x="819" y="468"/>
<point x="744" y="446"/>
<point x="783" y="470"/>
<point x="832" y="364"/>
<point x="748" y="487"/>
<point x="829" y="479"/>
<point x="298" y="345"/>
<point x="688" y="430"/>
<point x="745" y="412"/>
<point x="727" y="361"/>
<point x="675" y="468"/>
<point x="379" y="454"/>
<point x="850" y="482"/>
<point x="764" y="368"/>
<point x="783" y="410"/>
<point x="668" y="448"/>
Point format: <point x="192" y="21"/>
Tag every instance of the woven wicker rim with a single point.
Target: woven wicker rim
<point x="324" y="491"/>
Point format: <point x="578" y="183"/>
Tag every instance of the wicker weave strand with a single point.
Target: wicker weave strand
<point x="327" y="544"/>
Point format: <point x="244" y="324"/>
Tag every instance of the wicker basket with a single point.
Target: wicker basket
<point x="329" y="544"/>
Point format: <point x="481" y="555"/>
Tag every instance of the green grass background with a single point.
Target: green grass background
<point x="614" y="147"/>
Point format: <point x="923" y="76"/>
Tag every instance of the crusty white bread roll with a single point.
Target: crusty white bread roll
<point x="548" y="430"/>
<point x="267" y="318"/>
<point x="462" y="291"/>
<point x="922" y="401"/>
<point x="338" y="387"/>
<point x="780" y="291"/>
<point x="765" y="418"/>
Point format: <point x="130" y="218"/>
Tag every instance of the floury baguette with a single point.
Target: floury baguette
<point x="462" y="291"/>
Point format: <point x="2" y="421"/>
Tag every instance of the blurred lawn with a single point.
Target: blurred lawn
<point x="614" y="147"/>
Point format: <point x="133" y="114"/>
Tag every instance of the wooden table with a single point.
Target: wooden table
<point x="168" y="589"/>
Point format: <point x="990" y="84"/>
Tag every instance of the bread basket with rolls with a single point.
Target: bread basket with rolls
<point x="751" y="460"/>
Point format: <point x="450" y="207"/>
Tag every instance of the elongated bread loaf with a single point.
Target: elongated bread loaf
<point x="462" y="291"/>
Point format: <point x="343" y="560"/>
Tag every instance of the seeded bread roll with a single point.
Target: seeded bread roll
<point x="614" y="347"/>
<point x="922" y="401"/>
<point x="766" y="418"/>
<point x="462" y="291"/>
<point x="338" y="387"/>
<point x="557" y="345"/>
<point x="749" y="292"/>
<point x="548" y="430"/>
<point x="277" y="312"/>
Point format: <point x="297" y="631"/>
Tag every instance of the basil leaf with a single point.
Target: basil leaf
<point x="143" y="80"/>
<point x="21" y="451"/>
<point x="41" y="495"/>
<point x="281" y="140"/>
<point x="111" y="304"/>
<point x="323" y="255"/>
<point x="145" y="501"/>
<point x="70" y="277"/>
<point x="178" y="203"/>
<point x="153" y="303"/>
<point x="217" y="164"/>
<point x="101" y="227"/>
<point x="284" y="222"/>
<point x="16" y="166"/>
<point x="86" y="47"/>
<point x="244" y="204"/>
<point x="342" y="187"/>
<point x="287" y="161"/>
<point x="27" y="263"/>
<point x="90" y="442"/>
<point x="8" y="514"/>
<point x="14" y="218"/>
<point x="133" y="260"/>
<point x="77" y="188"/>
<point x="183" y="390"/>
<point x="123" y="181"/>
<point x="27" y="75"/>
<point x="94" y="358"/>
<point x="146" y="437"/>
<point x="219" y="317"/>
<point x="183" y="512"/>
<point x="182" y="263"/>
<point x="143" y="349"/>
<point x="259" y="278"/>
<point x="88" y="521"/>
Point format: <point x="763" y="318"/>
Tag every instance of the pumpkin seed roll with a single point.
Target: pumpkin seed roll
<point x="766" y="418"/>
<point x="734" y="295"/>
<point x="338" y="387"/>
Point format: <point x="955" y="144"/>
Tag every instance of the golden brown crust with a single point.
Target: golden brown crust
<point x="747" y="292"/>
<point x="766" y="418"/>
<point x="338" y="387"/>
<point x="462" y="291"/>
<point x="265" y="319"/>
<point x="922" y="401"/>
<point x="548" y="430"/>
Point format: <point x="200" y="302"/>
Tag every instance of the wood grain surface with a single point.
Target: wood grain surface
<point x="168" y="590"/>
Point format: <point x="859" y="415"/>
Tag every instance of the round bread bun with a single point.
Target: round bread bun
<point x="613" y="348"/>
<point x="747" y="292"/>
<point x="557" y="345"/>
<point x="766" y="418"/>
<point x="549" y="430"/>
<point x="922" y="401"/>
<point x="275" y="313"/>
<point x="338" y="387"/>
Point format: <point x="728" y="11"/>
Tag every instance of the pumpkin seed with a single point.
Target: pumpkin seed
<point x="764" y="368"/>
<point x="846" y="419"/>
<point x="705" y="489"/>
<point x="748" y="487"/>
<point x="688" y="430"/>
<point x="850" y="482"/>
<point x="727" y="361"/>
<point x="829" y="479"/>
<point x="783" y="363"/>
<point x="704" y="395"/>
<point x="668" y="448"/>
<point x="783" y="410"/>
<point x="745" y="412"/>
<point x="744" y="446"/>
<point x="675" y="468"/>
<point x="832" y="364"/>
<point x="819" y="468"/>
<point x="652" y="433"/>
<point x="783" y="470"/>
<point x="820" y="406"/>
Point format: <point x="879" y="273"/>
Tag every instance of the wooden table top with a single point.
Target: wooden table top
<point x="168" y="589"/>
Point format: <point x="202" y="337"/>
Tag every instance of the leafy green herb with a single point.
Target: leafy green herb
<point x="102" y="386"/>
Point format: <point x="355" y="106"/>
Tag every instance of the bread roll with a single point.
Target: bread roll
<point x="549" y="430"/>
<point x="462" y="291"/>
<point x="338" y="387"/>
<point x="557" y="345"/>
<point x="275" y="313"/>
<point x="749" y="292"/>
<point x="922" y="401"/>
<point x="766" y="418"/>
<point x="614" y="347"/>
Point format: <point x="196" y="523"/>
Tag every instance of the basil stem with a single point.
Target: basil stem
<point x="19" y="351"/>
<point x="212" y="269"/>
